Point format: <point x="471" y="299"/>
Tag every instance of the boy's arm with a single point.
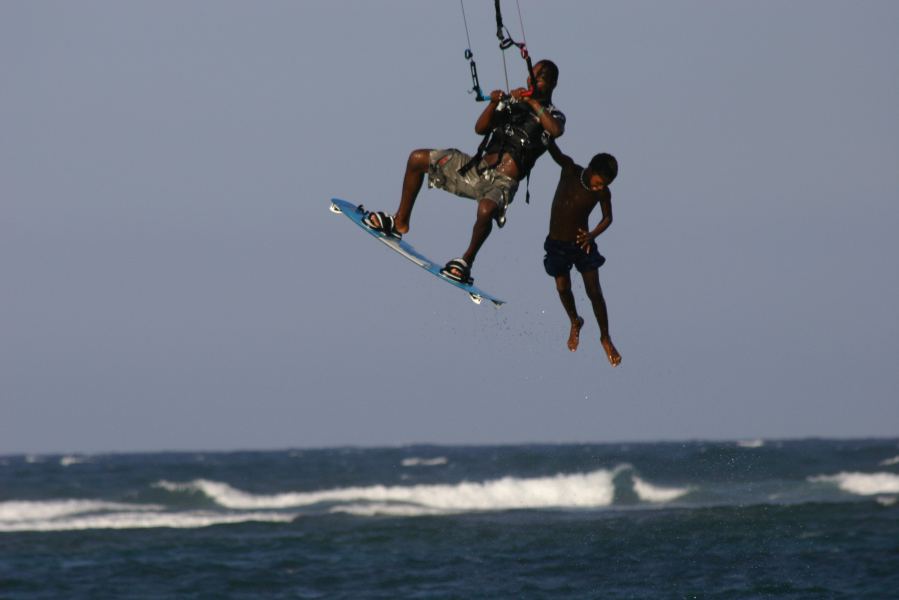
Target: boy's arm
<point x="562" y="159"/>
<point x="584" y="237"/>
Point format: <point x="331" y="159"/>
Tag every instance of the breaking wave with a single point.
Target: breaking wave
<point x="586" y="490"/>
<point x="862" y="484"/>
<point x="30" y="511"/>
<point x="72" y="515"/>
<point x="205" y="502"/>
<point x="652" y="493"/>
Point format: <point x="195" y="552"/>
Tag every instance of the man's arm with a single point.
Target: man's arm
<point x="485" y="122"/>
<point x="562" y="159"/>
<point x="553" y="126"/>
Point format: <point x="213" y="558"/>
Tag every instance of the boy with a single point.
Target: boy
<point x="519" y="129"/>
<point x="570" y="242"/>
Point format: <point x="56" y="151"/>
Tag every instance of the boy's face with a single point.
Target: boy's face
<point x="594" y="180"/>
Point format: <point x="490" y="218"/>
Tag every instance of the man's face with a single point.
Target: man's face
<point x="544" y="83"/>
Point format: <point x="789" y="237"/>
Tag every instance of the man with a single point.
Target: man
<point x="518" y="128"/>
<point x="571" y="243"/>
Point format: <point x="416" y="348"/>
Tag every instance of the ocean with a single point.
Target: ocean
<point x="748" y="519"/>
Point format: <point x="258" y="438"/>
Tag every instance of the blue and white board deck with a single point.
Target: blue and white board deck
<point x="356" y="213"/>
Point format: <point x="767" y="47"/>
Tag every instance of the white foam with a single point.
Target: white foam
<point x="890" y="461"/>
<point x="140" y="520"/>
<point x="863" y="484"/>
<point x="886" y="500"/>
<point x="27" y="511"/>
<point x="653" y="493"/>
<point x="583" y="490"/>
<point x="71" y="460"/>
<point x="424" y="462"/>
<point x="751" y="443"/>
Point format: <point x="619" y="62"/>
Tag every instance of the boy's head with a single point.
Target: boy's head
<point x="605" y="166"/>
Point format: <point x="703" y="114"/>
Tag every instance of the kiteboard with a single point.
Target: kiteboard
<point x="357" y="213"/>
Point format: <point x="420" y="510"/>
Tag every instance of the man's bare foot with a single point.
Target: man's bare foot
<point x="611" y="351"/>
<point x="574" y="337"/>
<point x="400" y="227"/>
<point x="457" y="269"/>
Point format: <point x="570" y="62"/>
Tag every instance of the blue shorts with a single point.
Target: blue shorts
<point x="560" y="256"/>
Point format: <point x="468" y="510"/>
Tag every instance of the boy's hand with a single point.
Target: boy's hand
<point x="496" y="96"/>
<point x="584" y="238"/>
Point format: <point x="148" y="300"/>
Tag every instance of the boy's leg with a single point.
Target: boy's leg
<point x="594" y="292"/>
<point x="563" y="286"/>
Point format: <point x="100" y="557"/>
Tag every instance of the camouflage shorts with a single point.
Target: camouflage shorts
<point x="476" y="183"/>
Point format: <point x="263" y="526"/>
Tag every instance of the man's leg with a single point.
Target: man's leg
<point x="563" y="286"/>
<point x="594" y="292"/>
<point x="483" y="225"/>
<point x="416" y="167"/>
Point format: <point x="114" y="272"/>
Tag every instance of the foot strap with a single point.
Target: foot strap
<point x="457" y="270"/>
<point x="386" y="224"/>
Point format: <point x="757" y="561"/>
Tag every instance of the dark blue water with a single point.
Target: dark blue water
<point x="803" y="519"/>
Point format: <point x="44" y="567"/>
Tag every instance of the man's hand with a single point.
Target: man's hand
<point x="518" y="93"/>
<point x="485" y="121"/>
<point x="584" y="238"/>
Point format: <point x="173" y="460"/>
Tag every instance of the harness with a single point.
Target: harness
<point x="521" y="136"/>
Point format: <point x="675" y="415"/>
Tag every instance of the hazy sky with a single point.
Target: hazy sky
<point x="171" y="278"/>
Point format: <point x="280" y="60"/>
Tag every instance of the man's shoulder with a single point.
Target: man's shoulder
<point x="555" y="112"/>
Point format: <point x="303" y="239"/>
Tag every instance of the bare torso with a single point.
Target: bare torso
<point x="506" y="166"/>
<point x="572" y="205"/>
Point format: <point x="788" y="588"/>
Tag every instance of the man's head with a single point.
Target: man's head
<point x="602" y="171"/>
<point x="547" y="75"/>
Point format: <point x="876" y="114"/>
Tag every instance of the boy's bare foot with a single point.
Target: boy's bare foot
<point x="611" y="351"/>
<point x="574" y="337"/>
